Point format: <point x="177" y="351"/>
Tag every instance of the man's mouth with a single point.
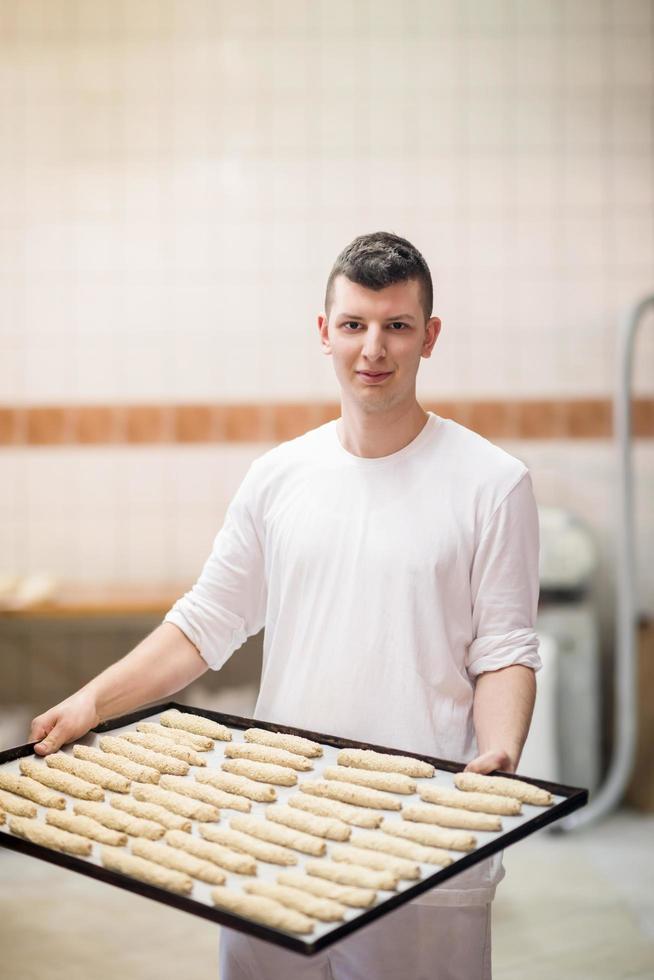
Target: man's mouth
<point x="374" y="377"/>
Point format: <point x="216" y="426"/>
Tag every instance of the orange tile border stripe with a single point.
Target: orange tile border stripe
<point x="104" y="425"/>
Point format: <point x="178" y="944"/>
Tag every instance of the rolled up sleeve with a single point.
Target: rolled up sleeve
<point x="504" y="586"/>
<point x="228" y="602"/>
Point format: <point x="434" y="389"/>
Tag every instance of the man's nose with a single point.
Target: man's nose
<point x="374" y="347"/>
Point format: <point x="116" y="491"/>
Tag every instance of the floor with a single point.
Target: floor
<point x="575" y="906"/>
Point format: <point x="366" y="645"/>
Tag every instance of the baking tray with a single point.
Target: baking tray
<point x="567" y="799"/>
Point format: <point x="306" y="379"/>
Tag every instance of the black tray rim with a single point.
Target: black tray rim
<point x="574" y="799"/>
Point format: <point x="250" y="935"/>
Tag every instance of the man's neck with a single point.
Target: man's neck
<point x="373" y="435"/>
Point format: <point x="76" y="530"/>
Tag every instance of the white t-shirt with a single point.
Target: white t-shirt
<point x="386" y="587"/>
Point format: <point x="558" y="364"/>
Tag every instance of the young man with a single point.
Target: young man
<point x="392" y="557"/>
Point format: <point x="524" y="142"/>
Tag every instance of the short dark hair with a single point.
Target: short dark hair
<point x="378" y="260"/>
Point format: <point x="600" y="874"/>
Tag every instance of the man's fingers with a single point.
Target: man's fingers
<point x="37" y="732"/>
<point x="52" y="741"/>
<point x="490" y="762"/>
<point x="41" y="725"/>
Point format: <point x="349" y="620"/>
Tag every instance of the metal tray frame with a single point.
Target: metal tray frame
<point x="574" y="799"/>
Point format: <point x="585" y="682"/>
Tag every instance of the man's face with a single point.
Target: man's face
<point x="376" y="338"/>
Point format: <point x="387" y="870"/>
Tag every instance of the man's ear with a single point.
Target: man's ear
<point x="432" y="330"/>
<point x="324" y="334"/>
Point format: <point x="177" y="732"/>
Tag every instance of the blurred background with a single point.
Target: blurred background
<point x="176" y="180"/>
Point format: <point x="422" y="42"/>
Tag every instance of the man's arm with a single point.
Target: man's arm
<point x="502" y="707"/>
<point x="164" y="662"/>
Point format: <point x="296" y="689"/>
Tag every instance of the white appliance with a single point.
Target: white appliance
<point x="564" y="743"/>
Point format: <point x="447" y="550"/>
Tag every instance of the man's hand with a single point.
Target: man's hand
<point x="491" y="761"/>
<point x="65" y="722"/>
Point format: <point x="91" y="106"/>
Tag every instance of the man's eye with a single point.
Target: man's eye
<point x="398" y="325"/>
<point x="352" y="325"/>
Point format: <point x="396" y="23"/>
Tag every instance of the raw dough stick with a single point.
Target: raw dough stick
<point x="88" y="771"/>
<point x="136" y="867"/>
<point x="308" y="822"/>
<point x="354" y="815"/>
<point x="478" y="802"/>
<point x="242" y="864"/>
<point x="165" y="746"/>
<point x="261" y="909"/>
<point x="185" y="806"/>
<point x="265" y="753"/>
<point x="144" y="774"/>
<point x="144" y="757"/>
<point x="501" y="786"/>
<point x="85" y="827"/>
<point x="17" y="805"/>
<point x="401" y="848"/>
<point x="450" y="816"/>
<point x="391" y="782"/>
<point x="351" y="874"/>
<point x="61" y="781"/>
<point x="381" y="762"/>
<point x="238" y="786"/>
<point x="205" y="793"/>
<point x="261" y="772"/>
<point x="357" y="898"/>
<point x="280" y="740"/>
<point x="237" y="841"/>
<point x="196" y="724"/>
<point x="376" y="860"/>
<point x="454" y="840"/>
<point x="294" y="898"/>
<point x="152" y="811"/>
<point x="198" y="742"/>
<point x="354" y="795"/>
<point x="117" y="820"/>
<point x="58" y="840"/>
<point x="284" y="836"/>
<point x="31" y="790"/>
<point x="178" y="860"/>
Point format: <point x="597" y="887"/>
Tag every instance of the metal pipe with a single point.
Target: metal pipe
<point x="612" y="789"/>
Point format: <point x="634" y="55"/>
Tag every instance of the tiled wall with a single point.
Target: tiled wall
<point x="177" y="177"/>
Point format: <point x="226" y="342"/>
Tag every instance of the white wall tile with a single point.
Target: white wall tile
<point x="631" y="14"/>
<point x="487" y="187"/>
<point x="533" y="59"/>
<point x="538" y="18"/>
<point x="584" y="60"/>
<point x="643" y="363"/>
<point x="584" y="14"/>
<point x="585" y="182"/>
<point x="530" y="181"/>
<point x="583" y="122"/>
<point x="631" y="185"/>
<point x="493" y="17"/>
<point x="13" y="357"/>
<point x="632" y="60"/>
<point x="631" y="126"/>
<point x="531" y="119"/>
<point x="488" y="118"/>
<point x="583" y="245"/>
<point x="532" y="245"/>
<point x="633" y="238"/>
<point x="486" y="61"/>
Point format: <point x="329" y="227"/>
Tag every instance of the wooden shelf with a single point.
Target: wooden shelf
<point x="79" y="601"/>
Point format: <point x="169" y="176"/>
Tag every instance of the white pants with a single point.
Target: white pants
<point x="415" y="942"/>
